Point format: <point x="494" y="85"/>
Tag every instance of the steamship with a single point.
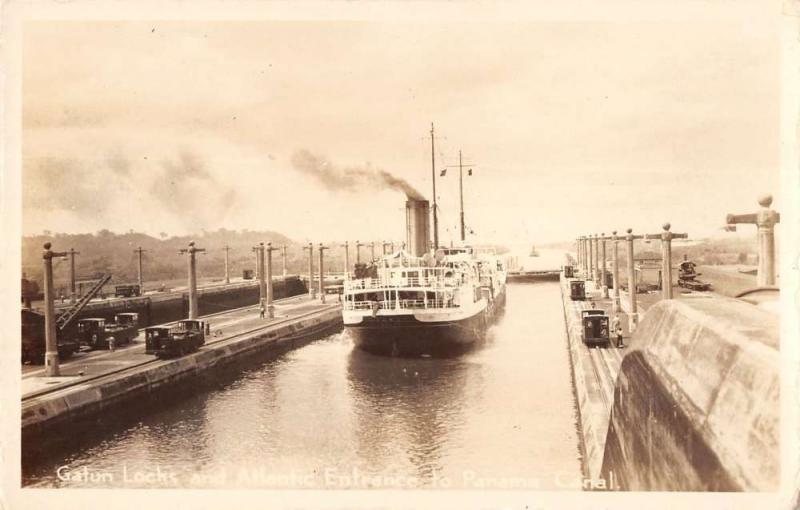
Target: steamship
<point x="422" y="302"/>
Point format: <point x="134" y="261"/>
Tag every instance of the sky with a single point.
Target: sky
<point x="572" y="127"/>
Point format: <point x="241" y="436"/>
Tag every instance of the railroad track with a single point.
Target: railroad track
<point x="605" y="375"/>
<point x="605" y="378"/>
<point x="153" y="361"/>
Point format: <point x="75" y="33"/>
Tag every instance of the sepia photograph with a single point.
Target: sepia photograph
<point x="433" y="254"/>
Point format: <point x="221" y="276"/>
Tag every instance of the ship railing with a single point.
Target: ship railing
<point x="404" y="304"/>
<point x="436" y="282"/>
<point x="423" y="304"/>
<point x="367" y="305"/>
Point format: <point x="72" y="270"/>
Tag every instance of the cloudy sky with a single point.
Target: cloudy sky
<point x="574" y="127"/>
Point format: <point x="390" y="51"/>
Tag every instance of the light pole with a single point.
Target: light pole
<point x="310" y="249"/>
<point x="666" y="257"/>
<point x="262" y="282"/>
<point x="270" y="307"/>
<point x="359" y="244"/>
<point x="72" y="254"/>
<point x="51" y="341"/>
<point x="321" y="274"/>
<point x="631" y="279"/>
<point x="346" y="260"/>
<point x="765" y="219"/>
<point x="227" y="269"/>
<point x="603" y="285"/>
<point x="615" y="267"/>
<point x="193" y="306"/>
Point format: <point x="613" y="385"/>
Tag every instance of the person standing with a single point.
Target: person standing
<point x="616" y="329"/>
<point x="112" y="344"/>
<point x="262" y="310"/>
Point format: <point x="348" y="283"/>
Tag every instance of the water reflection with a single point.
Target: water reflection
<point x="405" y="408"/>
<point x="331" y="416"/>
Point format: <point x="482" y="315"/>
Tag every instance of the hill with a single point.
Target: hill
<point x="108" y="252"/>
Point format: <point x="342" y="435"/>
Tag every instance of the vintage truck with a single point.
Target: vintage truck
<point x="95" y="332"/>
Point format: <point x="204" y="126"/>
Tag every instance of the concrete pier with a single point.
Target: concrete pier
<point x="91" y="385"/>
<point x="696" y="403"/>
<point x="691" y="403"/>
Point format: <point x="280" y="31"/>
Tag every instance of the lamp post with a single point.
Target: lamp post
<point x="51" y="341"/>
<point x="603" y="286"/>
<point x="227" y="265"/>
<point x="629" y="238"/>
<point x="192" y="251"/>
<point x="72" y="254"/>
<point x="615" y="267"/>
<point x="584" y="266"/>
<point x="666" y="257"/>
<point x="262" y="282"/>
<point x="346" y="260"/>
<point x="765" y="219"/>
<point x="321" y="273"/>
<point x="310" y="249"/>
<point x="270" y="290"/>
<point x="359" y="244"/>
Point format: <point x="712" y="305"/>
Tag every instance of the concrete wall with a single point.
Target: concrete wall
<point x="696" y="403"/>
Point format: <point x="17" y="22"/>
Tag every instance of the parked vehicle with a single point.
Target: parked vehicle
<point x="95" y="332"/>
<point x="594" y="327"/>
<point x="156" y="339"/>
<point x="577" y="290"/>
<point x="33" y="339"/>
<point x="33" y="330"/>
<point x="166" y="342"/>
<point x="127" y="290"/>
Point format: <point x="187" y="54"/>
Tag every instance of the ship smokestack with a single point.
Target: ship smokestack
<point x="417" y="226"/>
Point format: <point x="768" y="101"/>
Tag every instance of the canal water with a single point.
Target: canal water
<point x="330" y="416"/>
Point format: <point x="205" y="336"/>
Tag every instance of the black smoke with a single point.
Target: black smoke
<point x="350" y="178"/>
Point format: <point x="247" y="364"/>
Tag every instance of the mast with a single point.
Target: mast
<point x="435" y="216"/>
<point x="461" y="193"/>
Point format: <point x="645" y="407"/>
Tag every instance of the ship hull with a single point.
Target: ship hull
<point x="499" y="304"/>
<point x="405" y="336"/>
